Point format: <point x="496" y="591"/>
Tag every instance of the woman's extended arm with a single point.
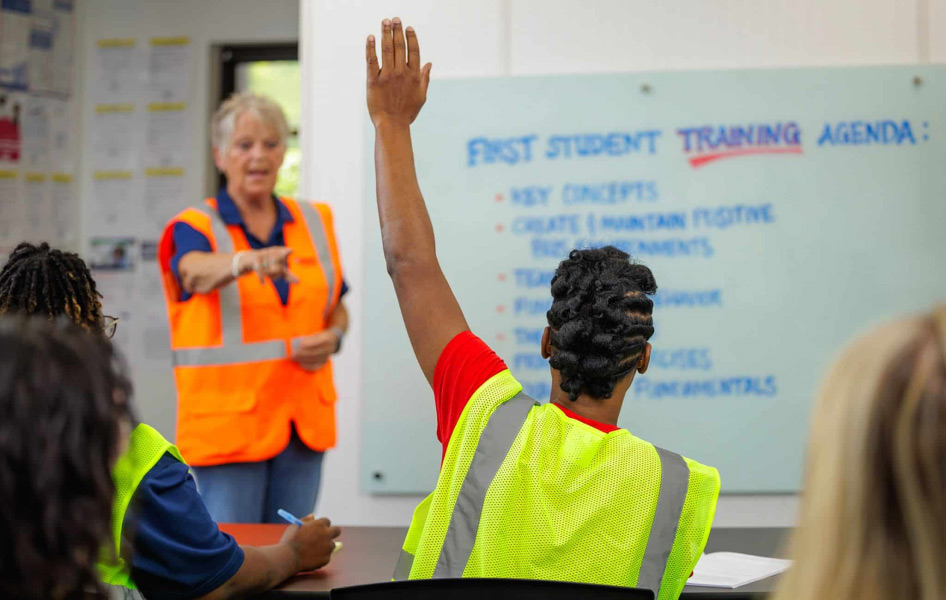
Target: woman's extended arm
<point x="203" y="272"/>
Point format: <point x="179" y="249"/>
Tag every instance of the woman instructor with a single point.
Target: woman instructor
<point x="253" y="285"/>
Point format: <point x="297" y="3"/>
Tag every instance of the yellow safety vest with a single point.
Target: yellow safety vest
<point x="526" y="492"/>
<point x="145" y="447"/>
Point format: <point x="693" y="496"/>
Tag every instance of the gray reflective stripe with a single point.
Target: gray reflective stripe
<point x="231" y="320"/>
<point x="494" y="444"/>
<point x="229" y="355"/>
<point x="117" y="592"/>
<point x="294" y="345"/>
<point x="404" y="563"/>
<point x="674" y="480"/>
<point x="232" y="350"/>
<point x="317" y="232"/>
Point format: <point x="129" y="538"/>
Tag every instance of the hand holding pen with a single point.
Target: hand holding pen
<point x="311" y="540"/>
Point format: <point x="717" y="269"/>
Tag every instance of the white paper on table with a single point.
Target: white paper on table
<point x="118" y="72"/>
<point x="114" y="139"/>
<point x="62" y="205"/>
<point x="36" y="201"/>
<point x="15" y="19"/>
<point x="168" y="136"/>
<point x="732" y="569"/>
<point x="169" y="69"/>
<point x="10" y="205"/>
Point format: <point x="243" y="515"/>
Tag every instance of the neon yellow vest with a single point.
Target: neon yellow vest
<point x="145" y="447"/>
<point x="526" y="492"/>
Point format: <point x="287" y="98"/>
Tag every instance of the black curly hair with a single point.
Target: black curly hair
<point x="44" y="280"/>
<point x="63" y="401"/>
<point x="600" y="319"/>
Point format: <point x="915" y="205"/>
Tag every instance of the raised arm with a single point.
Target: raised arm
<point x="396" y="92"/>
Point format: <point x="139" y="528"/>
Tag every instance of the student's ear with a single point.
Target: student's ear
<point x="644" y="361"/>
<point x="546" y="348"/>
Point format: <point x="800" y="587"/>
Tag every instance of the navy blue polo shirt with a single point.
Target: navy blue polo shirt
<point x="187" y="239"/>
<point x="179" y="553"/>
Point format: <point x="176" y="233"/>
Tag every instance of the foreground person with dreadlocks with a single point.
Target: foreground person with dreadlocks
<point x="63" y="416"/>
<point x="164" y="542"/>
<point x="554" y="491"/>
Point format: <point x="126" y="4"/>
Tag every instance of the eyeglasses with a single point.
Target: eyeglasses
<point x="109" y="325"/>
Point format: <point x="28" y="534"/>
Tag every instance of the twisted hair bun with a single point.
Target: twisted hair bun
<point x="600" y="319"/>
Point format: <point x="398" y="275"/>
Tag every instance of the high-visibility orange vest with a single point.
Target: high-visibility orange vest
<point x="237" y="388"/>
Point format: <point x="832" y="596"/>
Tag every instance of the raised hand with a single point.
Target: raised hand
<point x="397" y="88"/>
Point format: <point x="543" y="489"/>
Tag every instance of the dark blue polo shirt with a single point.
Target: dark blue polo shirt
<point x="187" y="239"/>
<point x="179" y="553"/>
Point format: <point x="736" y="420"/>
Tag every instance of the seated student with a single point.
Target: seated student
<point x="177" y="551"/>
<point x="63" y="417"/>
<point x="873" y="517"/>
<point x="554" y="491"/>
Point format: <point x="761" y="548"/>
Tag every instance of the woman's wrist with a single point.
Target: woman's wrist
<point x="339" y="335"/>
<point x="236" y="269"/>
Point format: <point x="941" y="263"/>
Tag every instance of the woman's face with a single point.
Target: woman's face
<point x="251" y="162"/>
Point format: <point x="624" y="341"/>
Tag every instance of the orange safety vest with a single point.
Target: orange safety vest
<point x="237" y="388"/>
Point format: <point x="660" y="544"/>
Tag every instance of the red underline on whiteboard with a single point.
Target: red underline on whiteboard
<point x="699" y="161"/>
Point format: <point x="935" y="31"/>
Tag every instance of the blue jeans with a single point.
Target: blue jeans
<point x="252" y="492"/>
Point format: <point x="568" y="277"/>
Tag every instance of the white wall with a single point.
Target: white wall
<point x="526" y="37"/>
<point x="206" y="23"/>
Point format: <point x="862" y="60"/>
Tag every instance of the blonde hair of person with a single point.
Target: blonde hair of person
<point x="873" y="515"/>
<point x="264" y="108"/>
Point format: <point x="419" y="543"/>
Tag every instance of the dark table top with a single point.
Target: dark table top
<point x="370" y="553"/>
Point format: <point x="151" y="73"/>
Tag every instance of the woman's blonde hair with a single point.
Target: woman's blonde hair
<point x="267" y="110"/>
<point x="873" y="516"/>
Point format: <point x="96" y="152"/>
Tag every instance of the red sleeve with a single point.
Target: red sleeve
<point x="465" y="364"/>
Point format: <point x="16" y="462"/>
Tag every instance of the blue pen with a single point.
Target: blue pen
<point x="285" y="514"/>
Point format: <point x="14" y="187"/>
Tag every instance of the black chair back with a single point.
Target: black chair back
<point x="487" y="589"/>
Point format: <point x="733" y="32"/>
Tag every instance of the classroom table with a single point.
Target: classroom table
<point x="369" y="555"/>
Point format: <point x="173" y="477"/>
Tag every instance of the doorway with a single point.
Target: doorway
<point x="271" y="70"/>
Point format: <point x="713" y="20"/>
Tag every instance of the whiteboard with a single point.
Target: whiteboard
<point x="781" y="212"/>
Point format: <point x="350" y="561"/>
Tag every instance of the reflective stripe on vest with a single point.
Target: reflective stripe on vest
<point x="316" y="228"/>
<point x="674" y="480"/>
<point x="405" y="562"/>
<point x="233" y="349"/>
<point x="117" y="592"/>
<point x="494" y="444"/>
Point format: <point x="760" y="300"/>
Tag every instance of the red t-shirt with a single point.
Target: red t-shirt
<point x="465" y="364"/>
